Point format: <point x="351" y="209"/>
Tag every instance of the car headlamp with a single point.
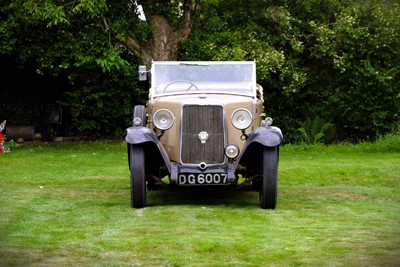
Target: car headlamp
<point x="137" y="121"/>
<point x="241" y="119"/>
<point x="231" y="151"/>
<point x="163" y="119"/>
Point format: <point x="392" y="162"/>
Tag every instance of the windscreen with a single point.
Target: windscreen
<point x="185" y="77"/>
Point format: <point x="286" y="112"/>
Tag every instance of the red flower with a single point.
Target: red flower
<point x="1" y="137"/>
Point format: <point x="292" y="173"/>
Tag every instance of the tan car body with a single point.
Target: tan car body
<point x="201" y="145"/>
<point x="171" y="139"/>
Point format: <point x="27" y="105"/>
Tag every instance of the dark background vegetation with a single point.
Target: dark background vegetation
<point x="329" y="69"/>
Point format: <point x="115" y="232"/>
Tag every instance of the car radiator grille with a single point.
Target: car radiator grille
<point x="196" y="119"/>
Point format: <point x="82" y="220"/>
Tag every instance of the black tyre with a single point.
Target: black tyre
<point x="140" y="111"/>
<point x="138" y="179"/>
<point x="269" y="186"/>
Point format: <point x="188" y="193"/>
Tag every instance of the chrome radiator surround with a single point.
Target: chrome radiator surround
<point x="198" y="120"/>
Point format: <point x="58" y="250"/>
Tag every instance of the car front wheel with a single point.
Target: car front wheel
<point x="138" y="179"/>
<point x="269" y="186"/>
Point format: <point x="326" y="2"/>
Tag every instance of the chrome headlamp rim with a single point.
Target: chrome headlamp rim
<point x="163" y="119"/>
<point x="232" y="151"/>
<point x="237" y="116"/>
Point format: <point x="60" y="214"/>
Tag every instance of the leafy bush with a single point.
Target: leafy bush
<point x="333" y="59"/>
<point x="336" y="60"/>
<point x="104" y="110"/>
<point x="317" y="131"/>
<point x="388" y="143"/>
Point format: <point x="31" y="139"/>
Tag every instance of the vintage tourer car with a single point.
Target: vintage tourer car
<point x="203" y="125"/>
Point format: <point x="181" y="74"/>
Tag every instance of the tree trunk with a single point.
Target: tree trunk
<point x="163" y="45"/>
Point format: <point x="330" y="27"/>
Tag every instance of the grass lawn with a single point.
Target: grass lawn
<point x="68" y="204"/>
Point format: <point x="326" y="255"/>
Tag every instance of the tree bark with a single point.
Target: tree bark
<point x="164" y="43"/>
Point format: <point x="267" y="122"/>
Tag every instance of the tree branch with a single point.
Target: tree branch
<point x="134" y="46"/>
<point x="186" y="29"/>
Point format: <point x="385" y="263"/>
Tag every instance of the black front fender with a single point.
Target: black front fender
<point x="139" y="135"/>
<point x="267" y="136"/>
<point x="155" y="153"/>
<point x="251" y="155"/>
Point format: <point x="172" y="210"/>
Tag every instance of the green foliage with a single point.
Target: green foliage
<point x="104" y="109"/>
<point x="333" y="59"/>
<point x="13" y="145"/>
<point x="7" y="146"/>
<point x="317" y="131"/>
<point x="388" y="143"/>
<point x="357" y="52"/>
<point x="111" y="59"/>
<point x="91" y="8"/>
<point x="78" y="40"/>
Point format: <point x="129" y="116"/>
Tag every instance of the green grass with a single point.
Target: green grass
<point x="69" y="205"/>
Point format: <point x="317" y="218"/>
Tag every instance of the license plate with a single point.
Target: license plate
<point x="202" y="178"/>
